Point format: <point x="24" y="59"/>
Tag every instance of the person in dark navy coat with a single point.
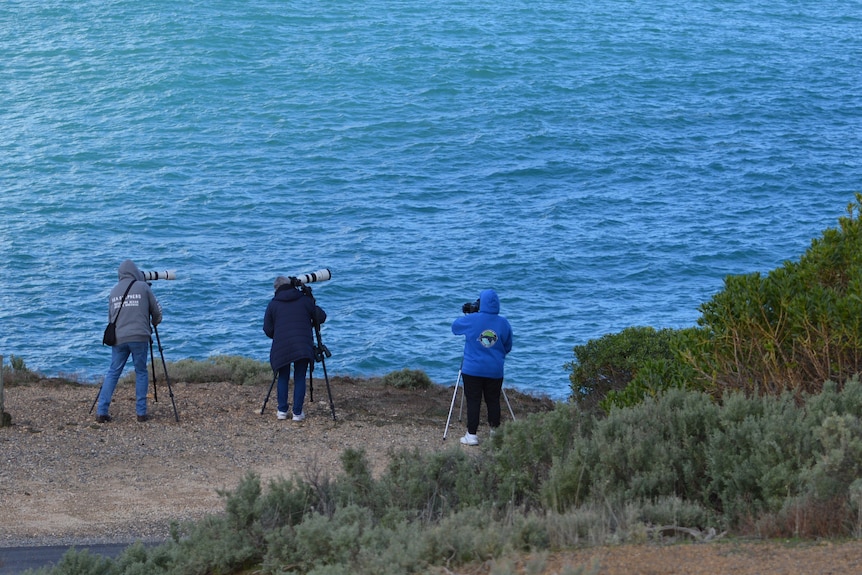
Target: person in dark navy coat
<point x="289" y="322"/>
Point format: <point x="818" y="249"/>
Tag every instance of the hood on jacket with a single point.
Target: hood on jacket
<point x="287" y="292"/>
<point x="128" y="270"/>
<point x="489" y="302"/>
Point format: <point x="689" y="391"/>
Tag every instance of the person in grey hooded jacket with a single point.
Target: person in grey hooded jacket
<point x="134" y="319"/>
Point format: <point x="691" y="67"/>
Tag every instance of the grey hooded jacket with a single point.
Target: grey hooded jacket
<point x="139" y="309"/>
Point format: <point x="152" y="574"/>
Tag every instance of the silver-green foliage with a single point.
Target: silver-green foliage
<point x="656" y="448"/>
<point x="679" y="459"/>
<point x="407" y="379"/>
<point x="234" y="368"/>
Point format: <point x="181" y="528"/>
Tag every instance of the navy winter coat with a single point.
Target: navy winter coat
<point x="288" y="322"/>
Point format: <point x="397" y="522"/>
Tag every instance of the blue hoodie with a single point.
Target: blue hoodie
<point x="488" y="338"/>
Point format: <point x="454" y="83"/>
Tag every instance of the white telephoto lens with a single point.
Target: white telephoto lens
<point x="165" y="275"/>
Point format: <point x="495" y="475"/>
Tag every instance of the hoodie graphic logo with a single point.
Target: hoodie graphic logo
<point x="488" y="338"/>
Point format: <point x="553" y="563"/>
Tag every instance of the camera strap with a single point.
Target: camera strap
<point x="122" y="302"/>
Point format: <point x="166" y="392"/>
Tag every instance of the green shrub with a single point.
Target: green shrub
<point x="756" y="453"/>
<point x="17" y="372"/>
<point x="611" y="362"/>
<point x="355" y="485"/>
<point x="795" y="328"/>
<point x="656" y="449"/>
<point x="524" y="453"/>
<point x="232" y="368"/>
<point x="287" y="501"/>
<point x="840" y="461"/>
<point x="676" y="511"/>
<point x="408" y="379"/>
<point x="75" y="562"/>
<point x="654" y="377"/>
<point x="426" y="487"/>
<point x="773" y="466"/>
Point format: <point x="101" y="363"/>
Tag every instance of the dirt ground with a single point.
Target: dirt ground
<point x="67" y="480"/>
<point x="65" y="477"/>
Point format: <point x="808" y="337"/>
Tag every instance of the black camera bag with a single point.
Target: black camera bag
<point x="109" y="338"/>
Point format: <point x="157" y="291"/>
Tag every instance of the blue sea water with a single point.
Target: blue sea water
<point x="600" y="164"/>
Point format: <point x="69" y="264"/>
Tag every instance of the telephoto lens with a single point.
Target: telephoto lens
<point x="165" y="275"/>
<point x="318" y="276"/>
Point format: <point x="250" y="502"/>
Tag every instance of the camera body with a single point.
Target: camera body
<point x="470" y="307"/>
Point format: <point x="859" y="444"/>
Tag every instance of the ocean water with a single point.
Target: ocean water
<point x="601" y="165"/>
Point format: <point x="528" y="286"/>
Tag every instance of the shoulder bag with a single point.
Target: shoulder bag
<point x="110" y="335"/>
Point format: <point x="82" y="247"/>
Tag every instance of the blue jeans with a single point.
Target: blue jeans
<point x="119" y="356"/>
<point x="300" y="368"/>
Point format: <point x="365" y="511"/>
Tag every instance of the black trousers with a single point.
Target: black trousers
<point x="477" y="388"/>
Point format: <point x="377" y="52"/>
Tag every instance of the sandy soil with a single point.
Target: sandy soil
<point x="67" y="480"/>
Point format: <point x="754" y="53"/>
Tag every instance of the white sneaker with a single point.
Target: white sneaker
<point x="299" y="417"/>
<point x="281" y="414"/>
<point x="470" y="439"/>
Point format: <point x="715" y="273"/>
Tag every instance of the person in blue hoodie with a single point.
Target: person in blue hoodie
<point x="135" y="309"/>
<point x="289" y="322"/>
<point x="488" y="339"/>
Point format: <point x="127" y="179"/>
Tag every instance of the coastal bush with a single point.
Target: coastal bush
<point x="526" y="451"/>
<point x="407" y="379"/>
<point x="756" y="454"/>
<point x="793" y="329"/>
<point x="656" y="376"/>
<point x="656" y="448"/>
<point x="17" y="372"/>
<point x="428" y="487"/>
<point x="233" y="368"/>
<point x="75" y="562"/>
<point x="677" y="464"/>
<point x="604" y="367"/>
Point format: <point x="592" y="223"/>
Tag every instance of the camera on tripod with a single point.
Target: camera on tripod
<point x="321" y="352"/>
<point x="470" y="307"/>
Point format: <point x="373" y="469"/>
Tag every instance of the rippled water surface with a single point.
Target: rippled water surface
<point x="600" y="165"/>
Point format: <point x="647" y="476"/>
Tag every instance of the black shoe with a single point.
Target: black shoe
<point x="103" y="418"/>
<point x="143" y="418"/>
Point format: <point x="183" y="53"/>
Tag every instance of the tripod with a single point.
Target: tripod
<point x="153" y="363"/>
<point x="165" y="367"/>
<point x="460" y="382"/>
<point x="321" y="352"/>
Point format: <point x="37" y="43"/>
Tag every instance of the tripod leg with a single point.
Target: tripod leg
<point x="98" y="393"/>
<point x="153" y="364"/>
<point x="463" y="396"/>
<point x="323" y="353"/>
<point x="265" y="399"/>
<point x="509" y="405"/>
<point x="167" y="379"/>
<point x="328" y="389"/>
<point x="311" y="381"/>
<point x="452" y="405"/>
